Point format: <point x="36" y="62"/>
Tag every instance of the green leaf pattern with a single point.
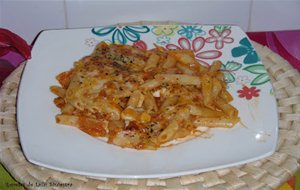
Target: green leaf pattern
<point x="229" y="78"/>
<point x="233" y="66"/>
<point x="259" y="70"/>
<point x="256" y="69"/>
<point x="221" y="28"/>
<point x="244" y="50"/>
<point x="260" y="79"/>
<point x="228" y="70"/>
<point x="121" y="34"/>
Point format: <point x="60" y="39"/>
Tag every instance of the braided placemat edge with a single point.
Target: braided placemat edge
<point x="267" y="173"/>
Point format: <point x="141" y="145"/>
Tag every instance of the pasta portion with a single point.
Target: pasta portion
<point x="143" y="99"/>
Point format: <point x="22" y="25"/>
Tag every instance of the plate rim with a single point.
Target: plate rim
<point x="144" y="176"/>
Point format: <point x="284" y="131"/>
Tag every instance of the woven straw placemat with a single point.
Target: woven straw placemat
<point x="268" y="173"/>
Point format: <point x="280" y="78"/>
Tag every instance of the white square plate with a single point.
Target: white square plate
<point x="68" y="149"/>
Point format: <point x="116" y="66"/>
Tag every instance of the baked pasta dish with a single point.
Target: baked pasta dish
<point x="143" y="99"/>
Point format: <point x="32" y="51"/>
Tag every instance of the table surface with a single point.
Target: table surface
<point x="284" y="43"/>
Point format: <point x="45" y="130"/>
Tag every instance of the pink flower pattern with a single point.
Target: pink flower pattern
<point x="140" y="44"/>
<point x="219" y="38"/>
<point x="196" y="46"/>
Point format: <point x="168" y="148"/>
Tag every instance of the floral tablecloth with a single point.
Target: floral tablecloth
<point x="284" y="43"/>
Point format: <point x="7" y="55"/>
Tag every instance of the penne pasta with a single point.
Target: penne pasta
<point x="216" y="122"/>
<point x="149" y="103"/>
<point x="181" y="79"/>
<point x="225" y="95"/>
<point x="215" y="67"/>
<point x="58" y="91"/>
<point x="185" y="58"/>
<point x="59" y="102"/>
<point x="226" y="108"/>
<point x="64" y="78"/>
<point x="216" y="88"/>
<point x="185" y="69"/>
<point x="182" y="114"/>
<point x="67" y="120"/>
<point x="150" y="84"/>
<point x="207" y="90"/>
<point x="131" y="114"/>
<point x="151" y="62"/>
<point x="136" y="99"/>
<point x="143" y="99"/>
<point x="170" y="62"/>
<point x="169" y="132"/>
<point x="67" y="109"/>
<point x="170" y="101"/>
<point x="204" y="112"/>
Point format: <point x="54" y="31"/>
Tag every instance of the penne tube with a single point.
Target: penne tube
<point x="225" y="95"/>
<point x="216" y="88"/>
<point x="215" y="66"/>
<point x="58" y="91"/>
<point x="71" y="120"/>
<point x="136" y="99"/>
<point x="90" y="126"/>
<point x="184" y="68"/>
<point x="220" y="77"/>
<point x="185" y="58"/>
<point x="93" y="127"/>
<point x="149" y="103"/>
<point x="170" y="62"/>
<point x="150" y="84"/>
<point x="130" y="114"/>
<point x="64" y="78"/>
<point x="216" y="122"/>
<point x="168" y="133"/>
<point x="182" y="114"/>
<point x="170" y="101"/>
<point x="204" y="112"/>
<point x="207" y="90"/>
<point x="59" y="102"/>
<point x="226" y="108"/>
<point x="181" y="133"/>
<point x="67" y="109"/>
<point x="179" y="79"/>
<point x="151" y="62"/>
